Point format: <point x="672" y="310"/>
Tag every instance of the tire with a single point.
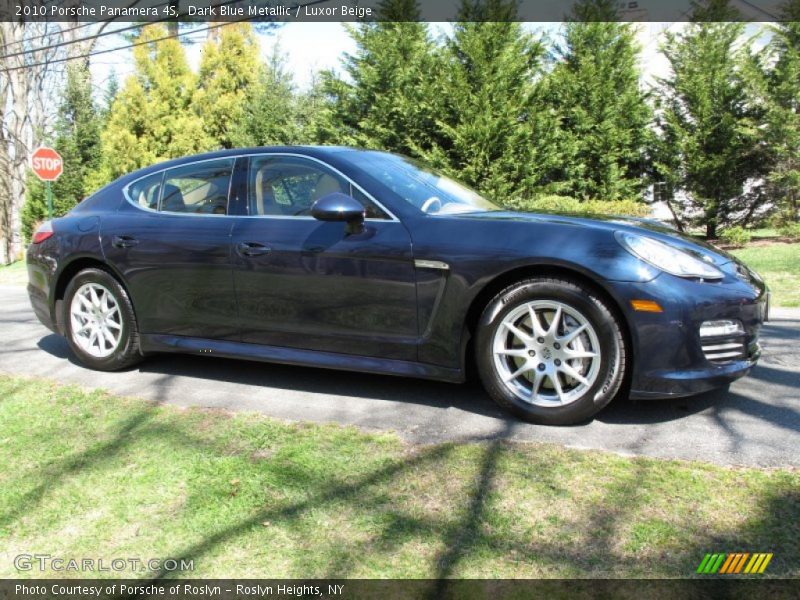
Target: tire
<point x="112" y="317"/>
<point x="585" y="351"/>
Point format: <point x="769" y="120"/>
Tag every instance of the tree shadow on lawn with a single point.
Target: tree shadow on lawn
<point x="466" y="531"/>
<point x="590" y="545"/>
<point x="120" y="437"/>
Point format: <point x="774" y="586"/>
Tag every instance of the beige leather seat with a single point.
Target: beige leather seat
<point x="326" y="184"/>
<point x="265" y="195"/>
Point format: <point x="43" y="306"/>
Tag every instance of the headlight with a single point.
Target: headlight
<point x="665" y="257"/>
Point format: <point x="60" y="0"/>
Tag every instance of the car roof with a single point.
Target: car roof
<point x="313" y="151"/>
<point x="310" y="150"/>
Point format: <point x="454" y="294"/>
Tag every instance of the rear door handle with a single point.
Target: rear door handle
<point x="124" y="241"/>
<point x="252" y="249"/>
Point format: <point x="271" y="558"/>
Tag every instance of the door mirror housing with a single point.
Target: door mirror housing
<point x="340" y="207"/>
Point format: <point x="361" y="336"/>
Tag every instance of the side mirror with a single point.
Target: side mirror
<point x="340" y="207"/>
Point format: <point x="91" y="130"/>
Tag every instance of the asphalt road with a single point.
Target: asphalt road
<point x="754" y="422"/>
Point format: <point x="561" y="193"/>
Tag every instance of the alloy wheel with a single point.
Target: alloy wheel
<point x="96" y="320"/>
<point x="547" y="353"/>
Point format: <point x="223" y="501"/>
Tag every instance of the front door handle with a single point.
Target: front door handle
<point x="252" y="249"/>
<point x="124" y="241"/>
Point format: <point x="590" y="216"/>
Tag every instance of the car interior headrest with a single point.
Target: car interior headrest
<point x="172" y="199"/>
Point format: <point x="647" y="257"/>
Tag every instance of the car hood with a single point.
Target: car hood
<point x="649" y="227"/>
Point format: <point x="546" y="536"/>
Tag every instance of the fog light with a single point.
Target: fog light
<point x="719" y="328"/>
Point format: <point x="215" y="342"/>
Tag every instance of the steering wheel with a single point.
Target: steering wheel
<point x="430" y="203"/>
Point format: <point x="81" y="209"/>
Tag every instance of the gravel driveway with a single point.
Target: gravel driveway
<point x="755" y="422"/>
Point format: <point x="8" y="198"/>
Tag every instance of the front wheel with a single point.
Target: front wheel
<point x="100" y="322"/>
<point x="551" y="351"/>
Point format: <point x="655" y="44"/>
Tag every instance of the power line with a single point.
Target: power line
<point x="68" y="29"/>
<point x="70" y="42"/>
<point x="118" y="48"/>
<point x="141" y="43"/>
<point x="105" y="33"/>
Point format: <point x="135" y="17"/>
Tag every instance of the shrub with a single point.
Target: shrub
<point x="791" y="231"/>
<point x="735" y="236"/>
<point x="573" y="206"/>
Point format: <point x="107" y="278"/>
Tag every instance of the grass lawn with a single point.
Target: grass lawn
<point x="764" y="232"/>
<point x="86" y="474"/>
<point x="14" y="274"/>
<point x="779" y="265"/>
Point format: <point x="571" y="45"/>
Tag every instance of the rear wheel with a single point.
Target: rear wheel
<point x="550" y="350"/>
<point x="100" y="323"/>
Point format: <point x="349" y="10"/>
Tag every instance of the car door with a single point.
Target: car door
<point x="304" y="283"/>
<point x="171" y="242"/>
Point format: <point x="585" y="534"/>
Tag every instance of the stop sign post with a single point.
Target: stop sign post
<point x="48" y="165"/>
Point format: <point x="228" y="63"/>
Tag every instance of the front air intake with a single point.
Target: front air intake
<point x="724" y="349"/>
<point x="723" y="340"/>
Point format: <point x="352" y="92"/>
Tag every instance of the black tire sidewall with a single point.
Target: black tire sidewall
<point x="602" y="320"/>
<point x="127" y="351"/>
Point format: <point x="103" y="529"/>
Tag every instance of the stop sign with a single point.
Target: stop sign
<point x="47" y="163"/>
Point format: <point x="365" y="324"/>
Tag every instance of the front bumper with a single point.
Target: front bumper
<point x="668" y="356"/>
<point x="677" y="384"/>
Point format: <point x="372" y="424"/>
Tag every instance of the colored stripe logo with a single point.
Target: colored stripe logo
<point x="734" y="563"/>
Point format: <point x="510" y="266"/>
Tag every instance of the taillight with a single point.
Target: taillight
<point x="45" y="231"/>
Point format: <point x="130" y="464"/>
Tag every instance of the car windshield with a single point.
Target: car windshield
<point x="420" y="186"/>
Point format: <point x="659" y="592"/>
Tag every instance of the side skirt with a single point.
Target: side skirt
<point x="295" y="356"/>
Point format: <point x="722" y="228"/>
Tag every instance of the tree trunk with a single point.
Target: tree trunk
<point x="668" y="201"/>
<point x="711" y="230"/>
<point x="18" y="137"/>
<point x="27" y="82"/>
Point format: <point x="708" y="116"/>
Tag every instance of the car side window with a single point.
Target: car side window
<point x="145" y="192"/>
<point x="289" y="186"/>
<point x="199" y="188"/>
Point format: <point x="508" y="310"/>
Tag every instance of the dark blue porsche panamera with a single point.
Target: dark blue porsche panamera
<point x="367" y="261"/>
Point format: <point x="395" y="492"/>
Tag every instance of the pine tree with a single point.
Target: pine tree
<point x="152" y="118"/>
<point x="270" y="113"/>
<point x="229" y="69"/>
<point x="77" y="139"/>
<point x="783" y="114"/>
<point x="386" y="103"/>
<point x="492" y="131"/>
<point x="110" y="93"/>
<point x="712" y="119"/>
<point x="604" y="114"/>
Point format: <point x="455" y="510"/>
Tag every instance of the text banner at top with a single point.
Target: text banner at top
<point x="382" y="10"/>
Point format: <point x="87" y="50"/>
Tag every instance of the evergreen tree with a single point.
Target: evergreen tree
<point x="604" y="114"/>
<point x="386" y="103"/>
<point x="152" y="118"/>
<point x="77" y="139"/>
<point x="783" y="115"/>
<point x="110" y="93"/>
<point x="230" y="67"/>
<point x="711" y="119"/>
<point x="313" y="113"/>
<point x="270" y="112"/>
<point x="492" y="130"/>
